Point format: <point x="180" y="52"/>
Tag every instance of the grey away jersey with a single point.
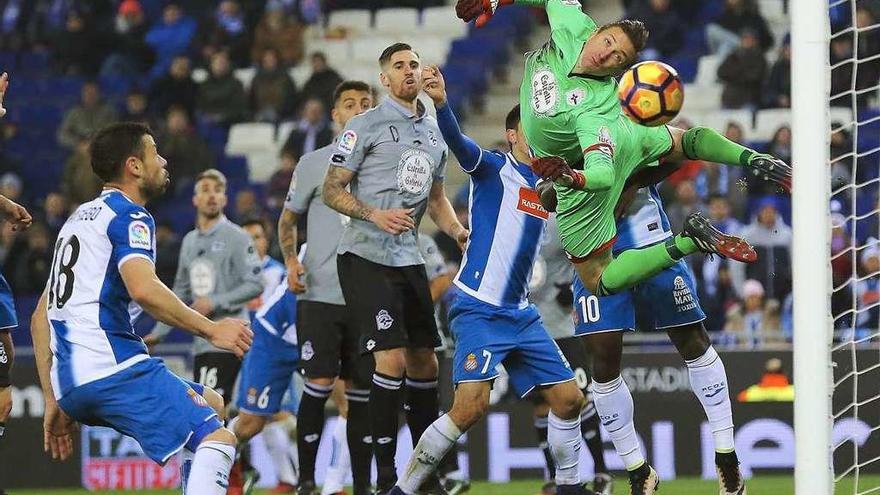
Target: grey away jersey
<point x="396" y="157"/>
<point x="220" y="264"/>
<point x="552" y="270"/>
<point x="324" y="227"/>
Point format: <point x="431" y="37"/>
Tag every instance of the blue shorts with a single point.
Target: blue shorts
<point x="149" y="403"/>
<point x="8" y="319"/>
<point x="266" y="373"/>
<point x="487" y="335"/>
<point x="666" y="300"/>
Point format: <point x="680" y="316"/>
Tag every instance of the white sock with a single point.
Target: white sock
<point x="278" y="445"/>
<point x="615" y="405"/>
<point x="210" y="469"/>
<point x="434" y="444"/>
<point x="340" y="461"/>
<point x="564" y="437"/>
<point x="186" y="459"/>
<point x="709" y="383"/>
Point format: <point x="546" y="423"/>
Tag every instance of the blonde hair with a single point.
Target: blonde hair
<point x="213" y="174"/>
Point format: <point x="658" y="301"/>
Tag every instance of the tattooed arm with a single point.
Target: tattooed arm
<point x="287" y="238"/>
<point x="394" y="221"/>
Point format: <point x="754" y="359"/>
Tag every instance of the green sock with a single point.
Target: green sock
<point x="635" y="265"/>
<point x="704" y="143"/>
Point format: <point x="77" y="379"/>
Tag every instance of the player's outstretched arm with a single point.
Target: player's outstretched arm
<point x="58" y="428"/>
<point x="14" y="213"/>
<point x="443" y="214"/>
<point x="394" y="221"/>
<point x="145" y="288"/>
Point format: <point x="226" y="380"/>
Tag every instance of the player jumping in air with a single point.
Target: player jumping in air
<point x="491" y="318"/>
<point x="570" y="114"/>
<point x="93" y="368"/>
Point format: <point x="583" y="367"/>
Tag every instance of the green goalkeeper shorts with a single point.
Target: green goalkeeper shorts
<point x="586" y="219"/>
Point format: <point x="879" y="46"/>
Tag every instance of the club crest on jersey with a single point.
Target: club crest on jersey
<point x="306" y="351"/>
<point x="545" y="92"/>
<point x="530" y="203"/>
<point x="383" y="320"/>
<point x="139" y="235"/>
<point x="251" y="396"/>
<point x="196" y="398"/>
<point x="201" y="277"/>
<point x="347" y="141"/>
<point x="471" y="363"/>
<point x="414" y="172"/>
<point x="575" y="97"/>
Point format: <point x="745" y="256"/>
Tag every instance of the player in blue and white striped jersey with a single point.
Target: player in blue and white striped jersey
<point x="93" y="368"/>
<point x="491" y="318"/>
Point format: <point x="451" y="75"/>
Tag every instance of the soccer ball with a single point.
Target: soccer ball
<point x="651" y="93"/>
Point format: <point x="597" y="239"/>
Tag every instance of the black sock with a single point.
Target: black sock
<point x="309" y="426"/>
<point x="358" y="435"/>
<point x="541" y="430"/>
<point x="385" y="395"/>
<point x="422" y="405"/>
<point x="593" y="437"/>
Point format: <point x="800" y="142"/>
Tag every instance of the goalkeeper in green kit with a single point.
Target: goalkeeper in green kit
<point x="571" y="116"/>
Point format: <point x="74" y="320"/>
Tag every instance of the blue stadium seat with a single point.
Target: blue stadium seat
<point x="234" y="167"/>
<point x="34" y="63"/>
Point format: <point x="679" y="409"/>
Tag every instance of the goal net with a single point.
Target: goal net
<point x="836" y="60"/>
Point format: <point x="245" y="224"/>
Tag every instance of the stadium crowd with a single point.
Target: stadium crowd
<point x="154" y="46"/>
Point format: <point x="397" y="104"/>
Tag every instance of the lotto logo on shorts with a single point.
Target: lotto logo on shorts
<point x="383" y="320"/>
<point x="371" y="344"/>
<point x="471" y="363"/>
<point x="530" y="203"/>
<point x="198" y="399"/>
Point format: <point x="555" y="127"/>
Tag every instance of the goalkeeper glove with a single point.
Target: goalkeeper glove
<point x="481" y="10"/>
<point x="554" y="168"/>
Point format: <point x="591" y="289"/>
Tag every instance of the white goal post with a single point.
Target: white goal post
<point x="811" y="245"/>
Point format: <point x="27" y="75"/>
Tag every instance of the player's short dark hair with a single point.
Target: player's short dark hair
<point x="716" y="197"/>
<point x="254" y="221"/>
<point x="113" y="145"/>
<point x="635" y="30"/>
<point x="512" y="119"/>
<point x="213" y="174"/>
<point x="350" y="85"/>
<point x="391" y="50"/>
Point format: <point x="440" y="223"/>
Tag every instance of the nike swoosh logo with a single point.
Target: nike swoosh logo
<point x="713" y="394"/>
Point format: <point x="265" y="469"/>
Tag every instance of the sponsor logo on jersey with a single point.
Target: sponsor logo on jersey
<point x="575" y="97"/>
<point x="217" y="246"/>
<point x="603" y="136"/>
<point x="139" y="236"/>
<point x="684" y="300"/>
<point x="347" y="141"/>
<point x="530" y="203"/>
<point x="306" y="351"/>
<point x="545" y="92"/>
<point x="414" y="172"/>
<point x="383" y="320"/>
<point x="471" y="363"/>
<point x="573" y="3"/>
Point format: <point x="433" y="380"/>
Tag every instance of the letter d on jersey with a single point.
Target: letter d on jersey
<point x="139" y="235"/>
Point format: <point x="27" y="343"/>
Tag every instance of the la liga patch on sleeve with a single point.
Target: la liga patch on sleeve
<point x="139" y="235"/>
<point x="347" y="141"/>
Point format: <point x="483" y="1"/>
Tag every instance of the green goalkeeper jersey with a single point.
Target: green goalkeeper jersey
<point x="579" y="116"/>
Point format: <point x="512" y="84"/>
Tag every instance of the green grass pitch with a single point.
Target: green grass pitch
<point x="769" y="485"/>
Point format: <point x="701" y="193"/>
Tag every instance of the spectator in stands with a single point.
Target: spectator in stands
<point x="686" y="202"/>
<point x="754" y="320"/>
<point x="777" y="93"/>
<point x="176" y="88"/>
<point x="137" y="109"/>
<point x="780" y="146"/>
<point x="226" y="31"/>
<point x="723" y="36"/>
<point x="313" y="130"/>
<point x="170" y="37"/>
<point x="273" y="94"/>
<point x="663" y="23"/>
<point x="247" y="206"/>
<point x="771" y="238"/>
<point x="221" y="98"/>
<point x="130" y="55"/>
<point x="716" y="291"/>
<point x="742" y="73"/>
<point x="167" y="253"/>
<point x="27" y="265"/>
<point x="89" y="116"/>
<point x="868" y="289"/>
<point x="279" y="32"/>
<point x="868" y="51"/>
<point x="841" y="76"/>
<point x="79" y="183"/>
<point x="187" y="153"/>
<point x="11" y="186"/>
<point x="279" y="183"/>
<point x="322" y="82"/>
<point x="15" y="15"/>
<point x="77" y="49"/>
<point x="720" y="214"/>
<point x="54" y="213"/>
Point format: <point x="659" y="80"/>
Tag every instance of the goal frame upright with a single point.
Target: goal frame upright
<point x="811" y="245"/>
